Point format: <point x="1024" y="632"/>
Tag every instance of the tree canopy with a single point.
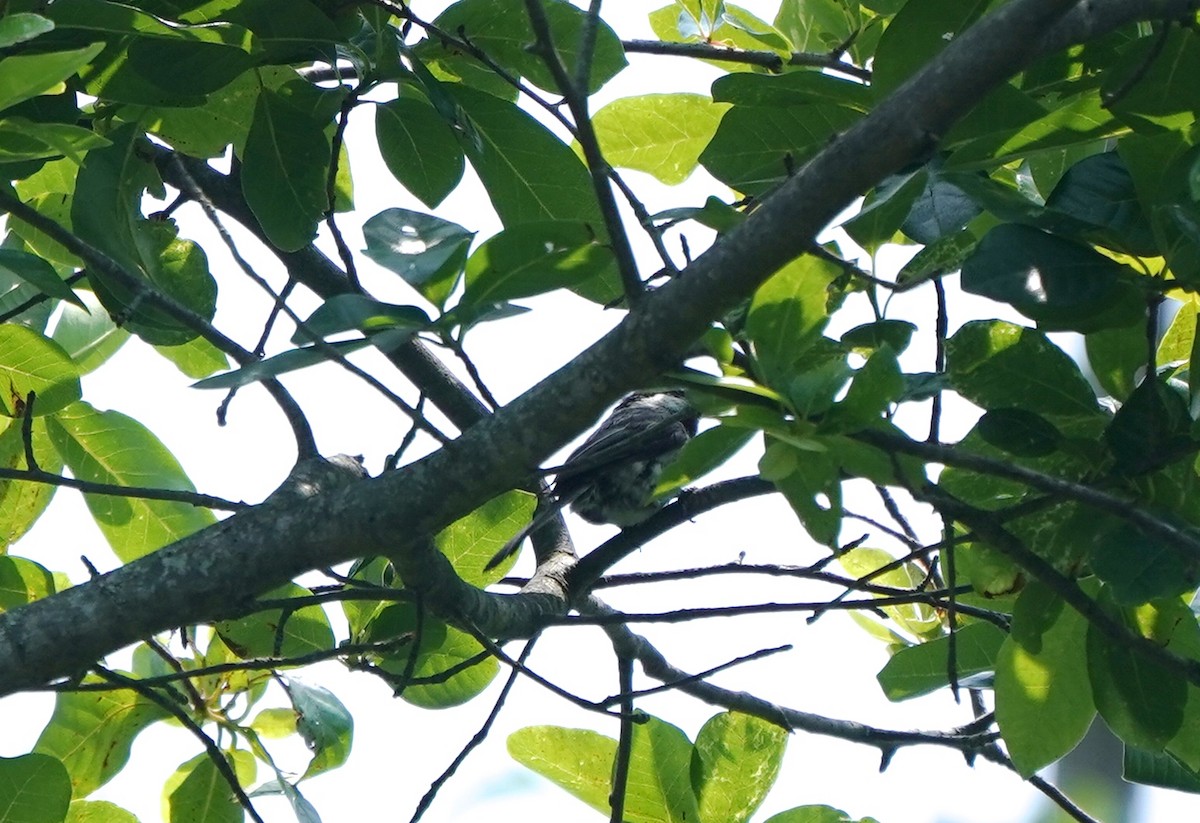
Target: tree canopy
<point x="1035" y="160"/>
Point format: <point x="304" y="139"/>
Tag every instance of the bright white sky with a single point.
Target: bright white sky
<point x="398" y="749"/>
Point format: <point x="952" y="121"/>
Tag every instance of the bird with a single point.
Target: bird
<point x="612" y="476"/>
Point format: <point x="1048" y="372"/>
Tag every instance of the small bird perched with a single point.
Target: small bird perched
<point x="610" y="478"/>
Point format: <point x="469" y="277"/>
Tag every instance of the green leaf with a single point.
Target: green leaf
<point x="91" y="732"/>
<point x="798" y="88"/>
<point x="1158" y="769"/>
<point x="196" y="358"/>
<point x="1116" y="355"/>
<point x="917" y="618"/>
<point x="325" y="725"/>
<point x="108" y="447"/>
<point x="1098" y="191"/>
<point x="1164" y="93"/>
<point x="1043" y="695"/>
<point x="788" y="313"/>
<point x="279" y="632"/>
<point x="356" y="312"/>
<point x="1137" y="567"/>
<point x="917" y="670"/>
<point x="885" y="209"/>
<point x="577" y="760"/>
<point x="442" y="648"/>
<point x="32" y="362"/>
<point x="285" y="166"/>
<point x="88" y="336"/>
<point x="279" y="364"/>
<point x="1019" y="432"/>
<point x="700" y="455"/>
<point x="810" y="484"/>
<point x="946" y="254"/>
<point x="22" y="581"/>
<point x="418" y="148"/>
<point x="660" y="787"/>
<point x="1060" y="284"/>
<point x="816" y="814"/>
<point x="734" y="763"/>
<point x="870" y="337"/>
<point x="535" y="258"/>
<point x="1150" y="430"/>
<point x="21" y="27"/>
<point x="34" y="788"/>
<point x="660" y="134"/>
<point x="471" y="541"/>
<point x="1000" y="365"/>
<point x="1142" y="701"/>
<point x="426" y="251"/>
<point x="916" y="35"/>
<point x="875" y="386"/>
<point x="756" y="148"/>
<point x="98" y="811"/>
<point x="22" y="503"/>
<point x="29" y="75"/>
<point x="197" y="791"/>
<point x="37" y="272"/>
<point x="505" y="34"/>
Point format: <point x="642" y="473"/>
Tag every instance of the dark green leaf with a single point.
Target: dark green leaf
<point x="1019" y="431"/>
<point x="38" y="272"/>
<point x="285" y="169"/>
<point x="426" y="251"/>
<point x="800" y="88"/>
<point x="941" y="210"/>
<point x="277" y="365"/>
<point x="874" y="388"/>
<point x="1117" y="354"/>
<point x="1098" y="191"/>
<point x="885" y="209"/>
<point x="34" y="788"/>
<point x="1158" y="769"/>
<point x="418" y="148"/>
<point x="22" y="26"/>
<point x="1165" y="92"/>
<point x="1150" y="430"/>
<point x="1139" y="568"/>
<point x="872" y="336"/>
<point x="944" y="255"/>
<point x="918" y="33"/>
<point x="1058" y="283"/>
<point x="356" y="312"/>
<point x="700" y="455"/>
<point x="28" y="75"/>
<point x="999" y="365"/>
<point x="534" y="258"/>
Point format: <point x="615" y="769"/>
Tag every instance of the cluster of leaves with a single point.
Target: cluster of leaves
<point x="1069" y="194"/>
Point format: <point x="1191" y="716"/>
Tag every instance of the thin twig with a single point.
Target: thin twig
<point x="620" y="778"/>
<point x="772" y="61"/>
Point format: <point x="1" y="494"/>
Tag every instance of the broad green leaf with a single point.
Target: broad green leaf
<point x="98" y="811"/>
<point x="505" y="34"/>
<point x="1139" y="568"/>
<point x="278" y="632"/>
<point x="1158" y="769"/>
<point x="325" y="725"/>
<point x="198" y="792"/>
<point x="922" y="669"/>
<point x="999" y="365"/>
<point x="31" y="362"/>
<point x="34" y="788"/>
<point x="356" y="312"/>
<point x="21" y="26"/>
<point x="426" y="251"/>
<point x="275" y="723"/>
<point x="29" y="75"/>
<point x="700" y="455"/>
<point x="1143" y="702"/>
<point x="1019" y="432"/>
<point x="816" y="814"/>
<point x="734" y="764"/>
<point x="875" y="386"/>
<point x="1151" y="429"/>
<point x="718" y="22"/>
<point x="538" y="257"/>
<point x="108" y="447"/>
<point x="810" y="484"/>
<point x="916" y="35"/>
<point x="1043" y="695"/>
<point x="577" y="760"/>
<point x="279" y="364"/>
<point x="660" y="784"/>
<point x="22" y="503"/>
<point x="418" y="148"/>
<point x="942" y="209"/>
<point x="870" y="337"/>
<point x="442" y="647"/>
<point x="91" y="732"/>
<point x="816" y="25"/>
<point x="944" y="255"/>
<point x="22" y="581"/>
<point x="471" y="541"/>
<point x="756" y="148"/>
<point x="1059" y="283"/>
<point x="1164" y="94"/>
<point x="885" y="210"/>
<point x="798" y="88"/>
<point x="660" y="134"/>
<point x="285" y="169"/>
<point x="787" y="315"/>
<point x="89" y="336"/>
<point x="1098" y="191"/>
